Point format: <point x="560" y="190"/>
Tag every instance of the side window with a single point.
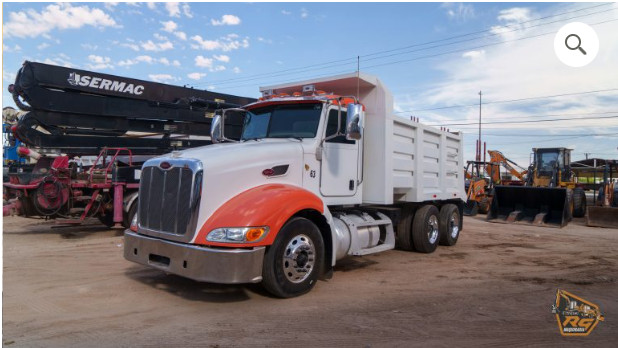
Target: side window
<point x="331" y="127"/>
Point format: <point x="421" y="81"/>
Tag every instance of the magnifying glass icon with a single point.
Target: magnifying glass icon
<point x="578" y="46"/>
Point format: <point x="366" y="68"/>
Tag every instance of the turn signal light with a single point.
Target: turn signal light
<point x="254" y="234"/>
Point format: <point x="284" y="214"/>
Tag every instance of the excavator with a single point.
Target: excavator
<point x="479" y="188"/>
<point x="550" y="196"/>
<point x="605" y="213"/>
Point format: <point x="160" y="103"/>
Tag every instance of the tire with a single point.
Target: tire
<point x="297" y="273"/>
<point x="127" y="217"/>
<point x="450" y="224"/>
<point x="404" y="230"/>
<point x="484" y="205"/>
<point x="107" y="219"/>
<point x="426" y="229"/>
<point x="579" y="202"/>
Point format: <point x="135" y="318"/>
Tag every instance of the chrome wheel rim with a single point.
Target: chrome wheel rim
<point x="299" y="259"/>
<point x="453" y="225"/>
<point x="432" y="229"/>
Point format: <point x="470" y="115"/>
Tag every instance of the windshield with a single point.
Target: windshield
<point x="282" y="121"/>
<point x="547" y="160"/>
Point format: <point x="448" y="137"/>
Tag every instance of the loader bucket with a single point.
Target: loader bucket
<point x="602" y="217"/>
<point x="540" y="206"/>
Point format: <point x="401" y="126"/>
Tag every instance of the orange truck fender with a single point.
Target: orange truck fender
<point x="266" y="205"/>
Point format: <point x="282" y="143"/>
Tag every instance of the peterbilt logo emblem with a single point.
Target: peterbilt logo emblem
<point x="165" y="165"/>
<point x="100" y="83"/>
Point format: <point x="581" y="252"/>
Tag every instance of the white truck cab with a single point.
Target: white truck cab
<point x="322" y="170"/>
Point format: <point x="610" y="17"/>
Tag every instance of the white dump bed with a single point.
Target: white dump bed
<point x="404" y="161"/>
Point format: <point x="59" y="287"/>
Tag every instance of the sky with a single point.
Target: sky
<point x="434" y="58"/>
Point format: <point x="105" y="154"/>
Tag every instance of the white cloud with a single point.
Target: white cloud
<point x="160" y="37"/>
<point x="218" y="68"/>
<point x="90" y="47"/>
<point x="515" y="14"/>
<point x="161" y="77"/>
<point x="156" y="47"/>
<point x="181" y="35"/>
<point x="173" y="9"/>
<point x="145" y="59"/>
<point x="134" y="4"/>
<point x="268" y="41"/>
<point x="203" y="62"/>
<point x="187" y="10"/>
<point x="226" y="43"/>
<point x="132" y="46"/>
<point x="127" y="62"/>
<point x="8" y="76"/>
<point x="287" y="13"/>
<point x="474" y="54"/>
<point x="514" y="25"/>
<point x="164" y="61"/>
<point x="236" y="70"/>
<point x="31" y="23"/>
<point x="222" y="58"/>
<point x="99" y="62"/>
<point x="151" y="5"/>
<point x="169" y="26"/>
<point x="176" y="63"/>
<point x="458" y="11"/>
<point x="304" y="13"/>
<point x="110" y="5"/>
<point x="43" y="46"/>
<point x="196" y="75"/>
<point x="10" y="49"/>
<point x="226" y="20"/>
<point x="527" y="68"/>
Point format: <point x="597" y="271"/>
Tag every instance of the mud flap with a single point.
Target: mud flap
<point x="602" y="217"/>
<point x="539" y="206"/>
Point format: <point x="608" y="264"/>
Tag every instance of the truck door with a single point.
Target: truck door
<point x="339" y="172"/>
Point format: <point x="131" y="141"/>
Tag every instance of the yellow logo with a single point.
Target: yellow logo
<point x="576" y="316"/>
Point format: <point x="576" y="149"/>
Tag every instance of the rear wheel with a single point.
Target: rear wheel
<point x="404" y="234"/>
<point x="425" y="229"/>
<point x="450" y="224"/>
<point x="294" y="262"/>
<point x="579" y="202"/>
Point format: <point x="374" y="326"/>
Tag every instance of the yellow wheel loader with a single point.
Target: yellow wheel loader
<point x="550" y="196"/>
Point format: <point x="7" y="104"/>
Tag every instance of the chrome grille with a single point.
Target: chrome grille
<point x="169" y="198"/>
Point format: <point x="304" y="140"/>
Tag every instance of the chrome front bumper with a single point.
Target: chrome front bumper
<point x="225" y="266"/>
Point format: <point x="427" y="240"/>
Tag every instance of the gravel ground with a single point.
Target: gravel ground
<point x="71" y="287"/>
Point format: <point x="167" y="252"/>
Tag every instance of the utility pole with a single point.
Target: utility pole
<point x="478" y="156"/>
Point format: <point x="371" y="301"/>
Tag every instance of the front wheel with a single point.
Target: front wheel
<point x="294" y="262"/>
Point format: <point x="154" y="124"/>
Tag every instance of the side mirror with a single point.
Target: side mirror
<point x="216" y="129"/>
<point x="354" y="122"/>
<point x="234" y="118"/>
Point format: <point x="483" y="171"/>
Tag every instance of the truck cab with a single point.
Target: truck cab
<point x="314" y="177"/>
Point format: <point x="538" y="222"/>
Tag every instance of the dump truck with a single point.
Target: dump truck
<point x="323" y="170"/>
<point x="116" y="121"/>
<point x="550" y="197"/>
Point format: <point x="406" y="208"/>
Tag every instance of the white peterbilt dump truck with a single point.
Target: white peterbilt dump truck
<point x="323" y="170"/>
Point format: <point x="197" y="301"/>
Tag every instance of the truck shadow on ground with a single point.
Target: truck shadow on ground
<point x="65" y="231"/>
<point x="193" y="290"/>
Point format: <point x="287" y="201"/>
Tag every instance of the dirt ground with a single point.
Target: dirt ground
<point x="71" y="287"/>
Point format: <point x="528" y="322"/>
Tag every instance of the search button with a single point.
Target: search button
<point x="579" y="43"/>
<point x="576" y="44"/>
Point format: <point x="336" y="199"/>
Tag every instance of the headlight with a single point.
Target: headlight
<point x="237" y="234"/>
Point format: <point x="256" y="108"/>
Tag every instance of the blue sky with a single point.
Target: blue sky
<point x="434" y="57"/>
